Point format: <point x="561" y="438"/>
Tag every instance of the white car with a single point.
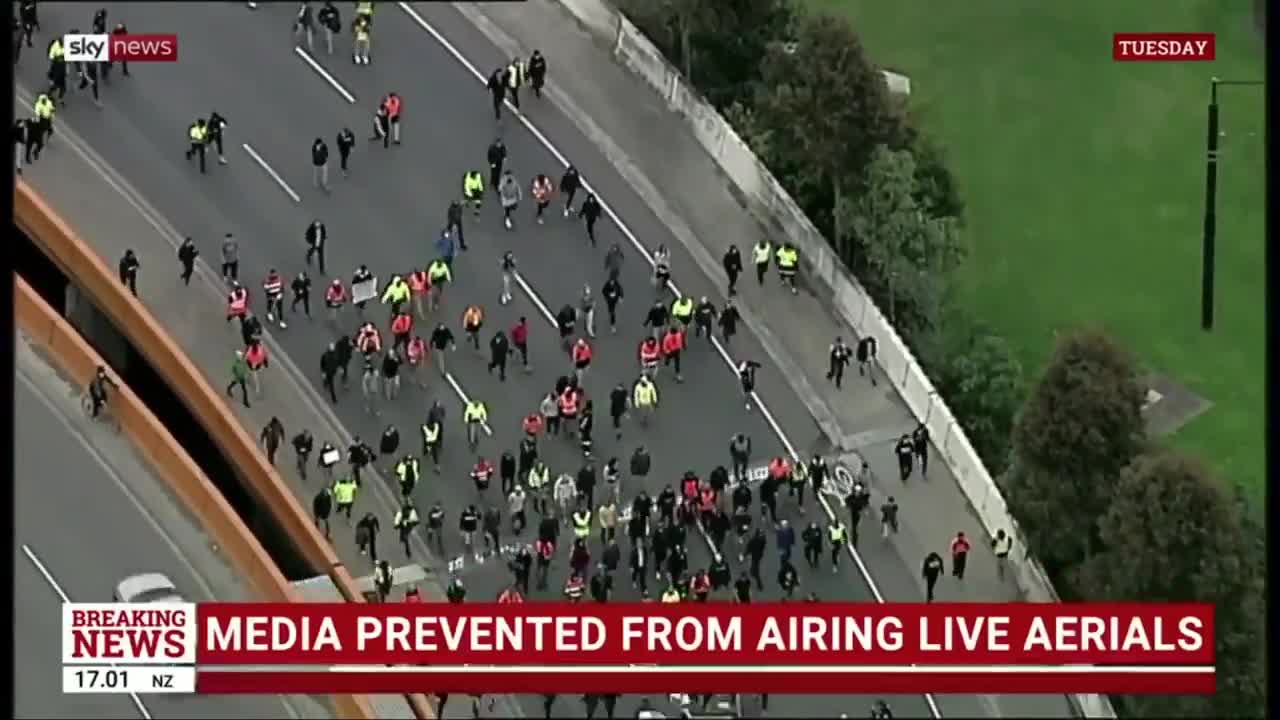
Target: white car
<point x="147" y="588"/>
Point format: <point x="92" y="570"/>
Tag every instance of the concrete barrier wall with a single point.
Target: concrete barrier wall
<point x="77" y="360"/>
<point x="774" y="208"/>
<point x="79" y="261"/>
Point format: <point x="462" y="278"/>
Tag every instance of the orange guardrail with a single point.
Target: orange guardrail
<point x="69" y="351"/>
<point x="77" y="260"/>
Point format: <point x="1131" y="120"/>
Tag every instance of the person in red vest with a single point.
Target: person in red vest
<point x="700" y="586"/>
<point x="650" y="351"/>
<point x="706" y="503"/>
<point x="392" y="105"/>
<point x="520" y="339"/>
<point x="335" y="297"/>
<point x="581" y="354"/>
<point x="401" y="328"/>
<point x="532" y="425"/>
<point x="273" y="288"/>
<point x="413" y="595"/>
<point x="568" y="406"/>
<point x="959" y="555"/>
<point x="672" y="346"/>
<point x="255" y="355"/>
<point x="416" y="354"/>
<point x="237" y="302"/>
<point x="419" y="285"/>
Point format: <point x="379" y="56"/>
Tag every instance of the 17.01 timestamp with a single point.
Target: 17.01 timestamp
<point x="139" y="679"/>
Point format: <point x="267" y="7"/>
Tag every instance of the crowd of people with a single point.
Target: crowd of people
<point x="594" y="521"/>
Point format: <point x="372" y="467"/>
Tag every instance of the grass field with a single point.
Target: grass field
<point x="1084" y="180"/>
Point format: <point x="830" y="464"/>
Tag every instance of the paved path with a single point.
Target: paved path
<point x="92" y="513"/>
<point x="386" y="216"/>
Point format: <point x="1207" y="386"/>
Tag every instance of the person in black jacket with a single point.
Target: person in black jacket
<point x="321" y="507"/>
<point x="346" y="140"/>
<point x="216" y="125"/>
<point x="320" y="164"/>
<point x="570" y="181"/>
<point x="931" y="570"/>
<point x="499" y="350"/>
<point x="329" y="366"/>
<point x="497" y="91"/>
<point x="590" y="212"/>
<point x="537" y="72"/>
<point x="732" y="262"/>
<point x="331" y="21"/>
<point x="129" y="271"/>
<point x="187" y="254"/>
<point x="640" y="462"/>
<point x="497" y="158"/>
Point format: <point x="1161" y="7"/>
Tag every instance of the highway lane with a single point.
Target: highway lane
<point x="92" y="514"/>
<point x="505" y="414"/>
<point x="381" y="206"/>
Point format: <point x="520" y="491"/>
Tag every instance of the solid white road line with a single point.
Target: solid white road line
<point x="271" y="171"/>
<point x="863" y="570"/>
<point x="48" y="578"/>
<point x="306" y="58"/>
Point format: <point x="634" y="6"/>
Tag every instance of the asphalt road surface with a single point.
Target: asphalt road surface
<point x="91" y="514"/>
<point x="387" y="216"/>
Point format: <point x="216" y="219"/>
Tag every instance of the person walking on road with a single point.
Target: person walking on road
<point x="537" y="67"/>
<point x="230" y="258"/>
<point x="321" y="508"/>
<point x="129" y="271"/>
<point x="331" y="21"/>
<point x="866" y="355"/>
<point x="931" y="570"/>
<point x="497" y="91"/>
<point x="272" y="437"/>
<point x="187" y="254"/>
<point x="838" y="358"/>
<point x="198" y="135"/>
<point x="509" y="194"/>
<point x="239" y="377"/>
<point x="732" y="262"/>
<point x="346" y="141"/>
<point x="920" y="448"/>
<point x="1001" y="545"/>
<point x="367" y="529"/>
<point x="316" y="236"/>
<point x="959" y="555"/>
<point x="320" y="164"/>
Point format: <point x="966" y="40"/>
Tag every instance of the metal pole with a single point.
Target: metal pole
<point x="1209" y="245"/>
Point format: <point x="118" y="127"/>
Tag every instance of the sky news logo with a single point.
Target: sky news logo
<point x="1163" y="47"/>
<point x="120" y="48"/>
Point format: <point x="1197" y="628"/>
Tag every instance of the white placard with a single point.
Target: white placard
<point x="364" y="291"/>
<point x="128" y="679"/>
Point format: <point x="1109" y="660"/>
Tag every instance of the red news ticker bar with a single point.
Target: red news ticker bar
<point x="968" y="626"/>
<point x="1164" y="47"/>
<point x="756" y="681"/>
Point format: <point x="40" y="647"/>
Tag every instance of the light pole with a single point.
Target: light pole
<point x="1209" y="248"/>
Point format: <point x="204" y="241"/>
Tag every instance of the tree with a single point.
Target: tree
<point x="983" y="384"/>
<point x="902" y="255"/>
<point x="730" y="49"/>
<point x="826" y="106"/>
<point x="1173" y="532"/>
<point x="671" y="25"/>
<point x="1081" y="425"/>
<point x="936" y="189"/>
